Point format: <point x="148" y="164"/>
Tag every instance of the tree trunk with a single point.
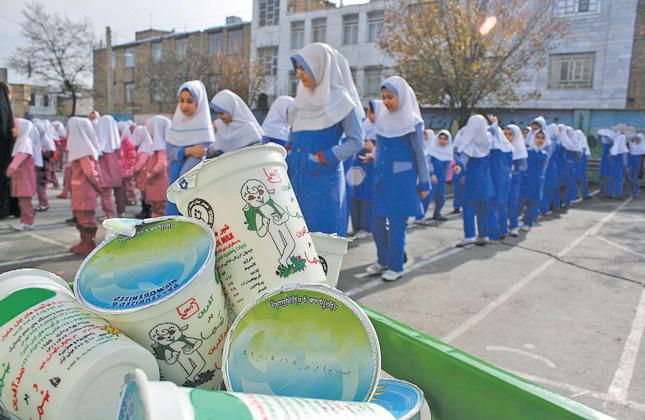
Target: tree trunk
<point x="73" y="113"/>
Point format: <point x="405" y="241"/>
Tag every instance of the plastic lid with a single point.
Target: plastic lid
<point x="402" y="399"/>
<point x="126" y="274"/>
<point x="144" y="400"/>
<point x="307" y="341"/>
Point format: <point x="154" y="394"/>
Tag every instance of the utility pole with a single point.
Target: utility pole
<point x="108" y="78"/>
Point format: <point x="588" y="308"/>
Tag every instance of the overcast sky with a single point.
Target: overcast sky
<point x="124" y="17"/>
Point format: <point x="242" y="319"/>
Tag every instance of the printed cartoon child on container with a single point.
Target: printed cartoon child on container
<point x="172" y="346"/>
<point x="263" y="215"/>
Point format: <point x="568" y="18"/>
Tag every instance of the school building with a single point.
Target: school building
<point x="594" y="78"/>
<point x="136" y="91"/>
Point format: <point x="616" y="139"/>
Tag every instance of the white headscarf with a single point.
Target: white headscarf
<point x="23" y="143"/>
<point x="81" y="140"/>
<point x="545" y="146"/>
<point x="196" y="129"/>
<point x="158" y="129"/>
<point x="444" y="153"/>
<point x="404" y="119"/>
<point x="46" y="135"/>
<point x="474" y="139"/>
<point x="500" y="142"/>
<point x="243" y="130"/>
<point x="605" y="135"/>
<point x="543" y="126"/>
<point x="276" y="124"/>
<point x="108" y="133"/>
<point x="34" y="133"/>
<point x="60" y="129"/>
<point x="620" y="145"/>
<point x="583" y="142"/>
<point x="553" y="132"/>
<point x="368" y="126"/>
<point x="568" y="139"/>
<point x="334" y="96"/>
<point x="427" y="143"/>
<point x="637" y="144"/>
<point x="519" y="147"/>
<point x="144" y="139"/>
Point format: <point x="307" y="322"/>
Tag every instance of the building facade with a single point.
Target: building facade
<point x="136" y="91"/>
<point x="596" y="73"/>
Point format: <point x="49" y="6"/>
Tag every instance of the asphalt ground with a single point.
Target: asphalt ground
<point x="563" y="306"/>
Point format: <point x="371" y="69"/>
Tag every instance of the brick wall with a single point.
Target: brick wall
<point x="636" y="92"/>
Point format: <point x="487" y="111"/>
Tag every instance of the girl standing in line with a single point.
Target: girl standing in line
<point x="520" y="155"/>
<point x="551" y="194"/>
<point x="474" y="144"/>
<point x="572" y="153"/>
<point x="581" y="172"/>
<point x="190" y="134"/>
<point x="144" y="152"/>
<point x="22" y="172"/>
<point x="533" y="179"/>
<point x="441" y="154"/>
<point x="276" y="124"/>
<point x="239" y="127"/>
<point x="47" y="149"/>
<point x="617" y="165"/>
<point x="636" y="160"/>
<point x="606" y="138"/>
<point x="83" y="148"/>
<point x="156" y="169"/>
<point x="326" y="106"/>
<point x="128" y="158"/>
<point x="110" y="166"/>
<point x="501" y="162"/>
<point x="401" y="175"/>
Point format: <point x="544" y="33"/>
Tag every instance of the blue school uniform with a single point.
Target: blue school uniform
<point x="362" y="194"/>
<point x="571" y="162"/>
<point x="320" y="187"/>
<point x="478" y="189"/>
<point x="500" y="171"/>
<point x="440" y="170"/>
<point x="457" y="185"/>
<point x="603" y="174"/>
<point x="519" y="167"/>
<point x="617" y="166"/>
<point x="551" y="194"/>
<point x="581" y="175"/>
<point x="533" y="184"/>
<point x="400" y="173"/>
<point x="635" y="165"/>
<point x="179" y="164"/>
<point x="266" y="139"/>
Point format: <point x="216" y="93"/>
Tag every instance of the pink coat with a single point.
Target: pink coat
<point x="128" y="157"/>
<point x="85" y="182"/>
<point x="110" y="170"/>
<point x="157" y="177"/>
<point x="140" y="170"/>
<point x="23" y="175"/>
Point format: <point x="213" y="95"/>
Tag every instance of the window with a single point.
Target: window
<point x="297" y="35"/>
<point x="113" y="59"/>
<point x="235" y="41"/>
<point x="156" y="50"/>
<point x="373" y="79"/>
<point x="571" y="71"/>
<point x="181" y="46"/>
<point x="350" y="29"/>
<point x="128" y="57"/>
<point x="32" y="99"/>
<point x="268" y="59"/>
<point x="214" y="43"/>
<point x="129" y="93"/>
<point x="269" y="12"/>
<point x="293" y="83"/>
<point x="374" y="25"/>
<point x="573" y="7"/>
<point x="319" y="30"/>
<point x="156" y="93"/>
<point x="46" y="100"/>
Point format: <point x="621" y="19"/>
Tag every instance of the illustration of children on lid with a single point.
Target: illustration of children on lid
<point x="172" y="346"/>
<point x="263" y="215"/>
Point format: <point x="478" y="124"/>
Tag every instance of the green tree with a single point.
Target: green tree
<point x="459" y="53"/>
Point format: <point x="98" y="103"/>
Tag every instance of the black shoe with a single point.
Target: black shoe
<point x="440" y="219"/>
<point x="71" y="221"/>
<point x="456" y="211"/>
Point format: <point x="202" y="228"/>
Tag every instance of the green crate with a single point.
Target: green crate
<point x="458" y="386"/>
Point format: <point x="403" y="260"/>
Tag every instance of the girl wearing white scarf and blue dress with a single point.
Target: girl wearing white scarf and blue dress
<point x="551" y="194"/>
<point x="190" y="134"/>
<point x="501" y="165"/>
<point x="276" y="124"/>
<point x="572" y="154"/>
<point x="636" y="161"/>
<point x="401" y="175"/>
<point x="360" y="177"/>
<point x="238" y="127"/>
<point x="326" y="106"/>
<point x="618" y="157"/>
<point x="514" y="135"/>
<point x="606" y="139"/>
<point x="533" y="179"/>
<point x="474" y="142"/>
<point x="441" y="154"/>
<point x="581" y="172"/>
